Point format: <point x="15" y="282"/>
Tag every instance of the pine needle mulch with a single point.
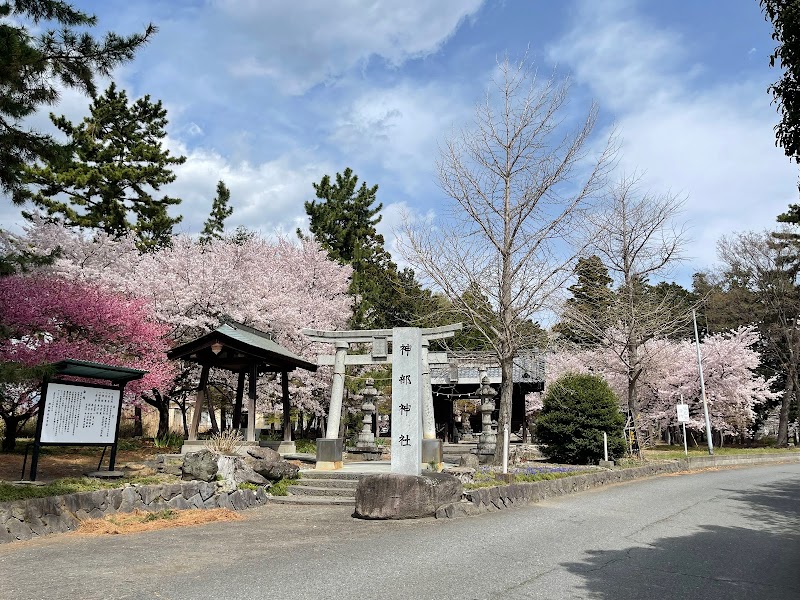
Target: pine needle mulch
<point x="140" y="520"/>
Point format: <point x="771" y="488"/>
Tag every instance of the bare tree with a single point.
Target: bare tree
<point x="637" y="238"/>
<point x="521" y="182"/>
<point x="766" y="266"/>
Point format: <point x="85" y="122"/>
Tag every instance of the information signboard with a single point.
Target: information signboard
<point x="80" y="414"/>
<point x="683" y="413"/>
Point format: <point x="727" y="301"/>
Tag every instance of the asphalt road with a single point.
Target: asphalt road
<point x="726" y="534"/>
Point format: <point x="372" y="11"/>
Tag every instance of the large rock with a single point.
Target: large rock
<point x="391" y="496"/>
<point x="235" y="469"/>
<point x="201" y="466"/>
<point x="263" y="453"/>
<point x="269" y="464"/>
<point x="469" y="460"/>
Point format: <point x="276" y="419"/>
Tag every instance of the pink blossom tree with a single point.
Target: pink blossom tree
<point x="47" y="319"/>
<point x="733" y="388"/>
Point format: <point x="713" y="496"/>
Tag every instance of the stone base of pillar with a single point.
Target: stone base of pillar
<point x="327" y="466"/>
<point x="330" y="453"/>
<point x="282" y="447"/>
<point x="431" y="451"/>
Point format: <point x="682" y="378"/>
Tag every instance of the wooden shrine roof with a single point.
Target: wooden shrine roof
<point x="243" y="348"/>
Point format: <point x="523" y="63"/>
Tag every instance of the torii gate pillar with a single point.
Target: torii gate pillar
<point x="337" y="391"/>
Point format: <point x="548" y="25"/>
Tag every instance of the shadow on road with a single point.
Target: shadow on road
<point x="757" y="560"/>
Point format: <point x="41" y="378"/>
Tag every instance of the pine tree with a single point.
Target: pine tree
<point x="215" y="224"/>
<point x="591" y="297"/>
<point x="344" y="224"/>
<point x="32" y="68"/>
<point x="110" y="169"/>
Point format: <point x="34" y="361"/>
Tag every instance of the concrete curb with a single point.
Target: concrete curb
<point x="498" y="498"/>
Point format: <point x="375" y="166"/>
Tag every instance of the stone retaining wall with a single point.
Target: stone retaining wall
<point x="500" y="497"/>
<point x="25" y="519"/>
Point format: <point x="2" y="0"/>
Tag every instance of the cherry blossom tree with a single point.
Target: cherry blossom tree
<point x="47" y="319"/>
<point x="733" y="387"/>
<point x="273" y="285"/>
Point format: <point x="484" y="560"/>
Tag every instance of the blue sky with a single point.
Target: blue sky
<point x="269" y="96"/>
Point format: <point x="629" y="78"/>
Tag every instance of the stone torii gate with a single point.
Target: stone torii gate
<point x="330" y="448"/>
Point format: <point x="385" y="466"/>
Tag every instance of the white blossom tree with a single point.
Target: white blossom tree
<point x="733" y="387"/>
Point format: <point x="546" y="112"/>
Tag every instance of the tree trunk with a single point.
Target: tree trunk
<point x="212" y="413"/>
<point x="160" y="403"/>
<point x="525" y="424"/>
<point x="163" y="421"/>
<point x="504" y="411"/>
<point x="12" y="426"/>
<point x="185" y="420"/>
<point x="633" y="395"/>
<point x="137" y="422"/>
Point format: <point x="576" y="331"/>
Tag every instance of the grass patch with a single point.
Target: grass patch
<point x="482" y="481"/>
<point x="281" y="487"/>
<point x="529" y="478"/>
<point x="306" y="446"/>
<point x="139" y="520"/>
<point x="129" y="444"/>
<point x="671" y="452"/>
<point x="161" y="515"/>
<point x="70" y="485"/>
<point x="246" y="485"/>
<point x="172" y="440"/>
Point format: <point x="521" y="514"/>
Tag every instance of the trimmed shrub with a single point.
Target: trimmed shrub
<point x="577" y="410"/>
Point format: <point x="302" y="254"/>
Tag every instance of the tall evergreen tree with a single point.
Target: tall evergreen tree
<point x="32" y="68"/>
<point x="344" y="222"/>
<point x="110" y="170"/>
<point x="215" y="224"/>
<point x="591" y="298"/>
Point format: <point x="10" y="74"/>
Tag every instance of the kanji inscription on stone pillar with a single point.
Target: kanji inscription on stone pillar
<point x="407" y="385"/>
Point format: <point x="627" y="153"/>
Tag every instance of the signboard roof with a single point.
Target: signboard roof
<point x="85" y="368"/>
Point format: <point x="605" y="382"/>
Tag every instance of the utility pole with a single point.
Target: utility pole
<point x="702" y="386"/>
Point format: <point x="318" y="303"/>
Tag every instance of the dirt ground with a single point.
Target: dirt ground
<point x="71" y="461"/>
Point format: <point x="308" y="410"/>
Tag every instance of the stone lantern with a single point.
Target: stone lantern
<point x="488" y="438"/>
<point x="366" y="439"/>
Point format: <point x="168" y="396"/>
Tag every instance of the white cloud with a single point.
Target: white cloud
<point x="306" y="43"/>
<point x="713" y="143"/>
<point x="395" y="215"/>
<point x="400" y="127"/>
<point x="266" y="197"/>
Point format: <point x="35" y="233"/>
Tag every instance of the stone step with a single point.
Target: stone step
<point x="328" y="483"/>
<point x="314" y="500"/>
<point x="314" y="474"/>
<point x="307" y="490"/>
